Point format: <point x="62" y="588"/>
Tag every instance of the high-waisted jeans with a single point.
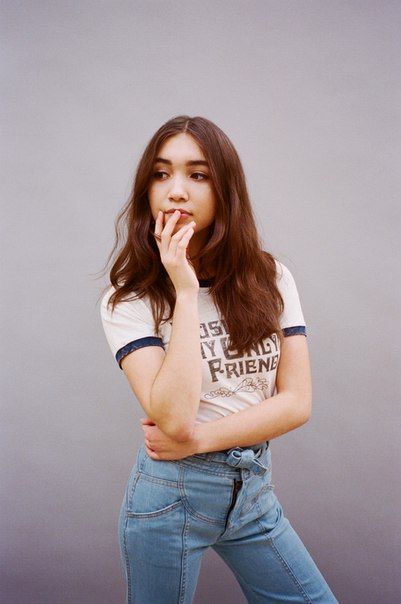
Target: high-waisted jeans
<point x="172" y="511"/>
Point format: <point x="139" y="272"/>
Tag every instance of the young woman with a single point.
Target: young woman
<point x="198" y="317"/>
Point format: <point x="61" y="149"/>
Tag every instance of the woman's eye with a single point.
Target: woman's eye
<point x="159" y="174"/>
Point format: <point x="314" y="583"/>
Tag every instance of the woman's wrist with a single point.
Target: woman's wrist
<point x="201" y="442"/>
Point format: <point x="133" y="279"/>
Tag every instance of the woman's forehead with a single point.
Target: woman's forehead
<point x="181" y="149"/>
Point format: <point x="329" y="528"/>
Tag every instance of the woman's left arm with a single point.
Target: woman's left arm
<point x="290" y="408"/>
<point x="276" y="415"/>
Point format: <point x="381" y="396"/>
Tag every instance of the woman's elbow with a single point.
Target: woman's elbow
<point x="176" y="431"/>
<point x="184" y="435"/>
<point x="306" y="410"/>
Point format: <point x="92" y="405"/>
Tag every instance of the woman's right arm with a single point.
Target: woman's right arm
<point x="167" y="384"/>
<point x="176" y="390"/>
<point x="175" y="393"/>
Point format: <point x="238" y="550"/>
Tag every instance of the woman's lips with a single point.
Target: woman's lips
<point x="183" y="214"/>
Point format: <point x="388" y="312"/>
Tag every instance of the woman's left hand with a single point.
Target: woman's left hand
<point x="162" y="447"/>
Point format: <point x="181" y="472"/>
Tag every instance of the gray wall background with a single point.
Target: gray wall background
<point x="309" y="92"/>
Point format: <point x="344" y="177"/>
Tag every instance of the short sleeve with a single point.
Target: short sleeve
<point x="292" y="320"/>
<point x="129" y="327"/>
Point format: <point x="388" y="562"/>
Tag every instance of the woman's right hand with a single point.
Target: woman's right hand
<point x="173" y="251"/>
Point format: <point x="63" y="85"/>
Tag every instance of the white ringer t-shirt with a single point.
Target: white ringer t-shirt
<point x="229" y="382"/>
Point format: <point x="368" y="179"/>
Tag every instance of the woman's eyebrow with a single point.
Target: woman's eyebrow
<point x="192" y="162"/>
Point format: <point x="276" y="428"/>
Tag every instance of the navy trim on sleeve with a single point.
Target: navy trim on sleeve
<point x="135" y="344"/>
<point x="293" y="331"/>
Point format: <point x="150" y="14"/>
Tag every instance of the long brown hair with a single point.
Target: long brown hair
<point x="244" y="285"/>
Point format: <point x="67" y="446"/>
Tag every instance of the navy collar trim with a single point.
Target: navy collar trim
<point x="206" y="282"/>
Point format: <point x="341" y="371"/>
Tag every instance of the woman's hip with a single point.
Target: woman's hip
<point x="203" y="484"/>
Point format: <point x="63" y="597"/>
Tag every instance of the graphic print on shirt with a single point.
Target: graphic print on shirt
<point x="229" y="365"/>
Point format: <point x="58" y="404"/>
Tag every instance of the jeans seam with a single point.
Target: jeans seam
<point x="164" y="481"/>
<point x="290" y="572"/>
<point x="198" y="516"/>
<point x="184" y="560"/>
<point x="237" y="573"/>
<point x="155" y="514"/>
<point x="129" y="584"/>
<point x="210" y="471"/>
<point x="132" y="490"/>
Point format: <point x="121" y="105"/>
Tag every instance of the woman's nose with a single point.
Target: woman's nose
<point x="178" y="189"/>
<point x="177" y="193"/>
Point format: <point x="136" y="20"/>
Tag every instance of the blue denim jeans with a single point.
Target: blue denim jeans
<point x="173" y="511"/>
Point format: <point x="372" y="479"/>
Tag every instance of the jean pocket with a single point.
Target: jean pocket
<point x="207" y="496"/>
<point x="153" y="497"/>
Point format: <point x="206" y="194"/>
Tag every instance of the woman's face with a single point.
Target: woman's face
<point x="178" y="184"/>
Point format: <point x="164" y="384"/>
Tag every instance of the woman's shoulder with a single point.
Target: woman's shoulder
<point x="284" y="276"/>
<point x="282" y="270"/>
<point x="133" y="306"/>
<point x="285" y="281"/>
